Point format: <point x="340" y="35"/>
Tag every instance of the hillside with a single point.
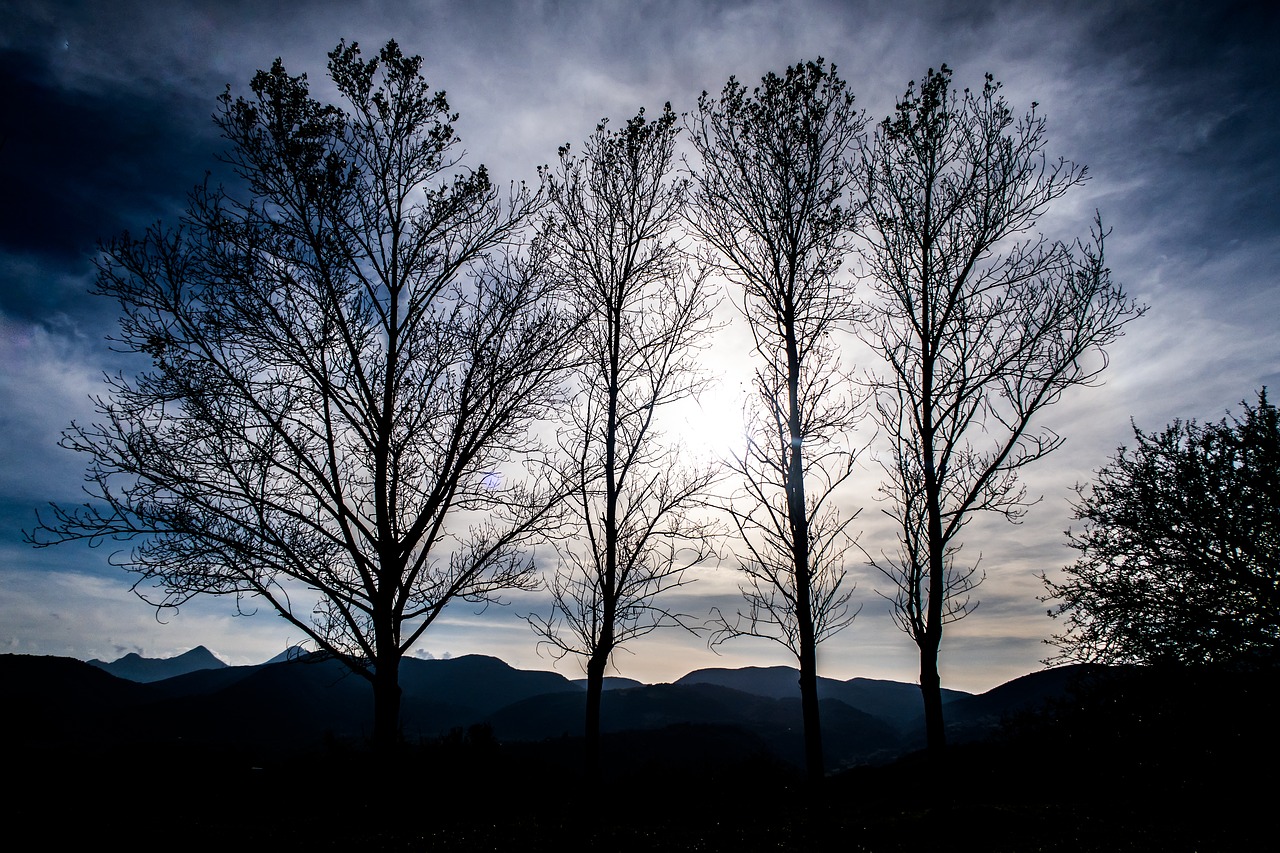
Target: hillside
<point x="299" y="702"/>
<point x="1077" y="759"/>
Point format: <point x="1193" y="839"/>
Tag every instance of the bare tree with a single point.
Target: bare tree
<point x="771" y="187"/>
<point x="344" y="368"/>
<point x="979" y="328"/>
<point x="613" y="241"/>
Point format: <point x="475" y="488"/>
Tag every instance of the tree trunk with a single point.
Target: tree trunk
<point x="595" y="690"/>
<point x="931" y="641"/>
<point x="386" y="709"/>
<point x="931" y="692"/>
<point x="813" y="760"/>
<point x="799" y="521"/>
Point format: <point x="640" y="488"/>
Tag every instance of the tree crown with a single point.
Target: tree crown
<point x="1180" y="548"/>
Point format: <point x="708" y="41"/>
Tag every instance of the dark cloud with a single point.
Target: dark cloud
<point x="79" y="164"/>
<point x="1191" y="110"/>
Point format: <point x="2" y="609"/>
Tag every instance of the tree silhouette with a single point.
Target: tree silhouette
<point x="978" y="328"/>
<point x="1180" y="551"/>
<point x="770" y="192"/>
<point x="612" y="233"/>
<point x="344" y="367"/>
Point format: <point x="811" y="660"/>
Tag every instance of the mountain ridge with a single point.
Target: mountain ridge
<point x="135" y="667"/>
<point x="773" y="681"/>
<point x="301" y="702"/>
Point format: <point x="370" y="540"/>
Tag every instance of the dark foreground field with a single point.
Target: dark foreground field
<point x="1136" y="767"/>
<point x="519" y="799"/>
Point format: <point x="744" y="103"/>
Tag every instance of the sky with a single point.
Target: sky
<point x="105" y="126"/>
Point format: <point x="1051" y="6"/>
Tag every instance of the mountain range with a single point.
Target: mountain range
<point x="296" y="701"/>
<point x="272" y="757"/>
<point x="134" y="667"/>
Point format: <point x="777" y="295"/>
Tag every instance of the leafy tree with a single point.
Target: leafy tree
<point x="612" y="236"/>
<point x="978" y="328"/>
<point x="344" y="366"/>
<point x="770" y="200"/>
<point x="1180" y="551"/>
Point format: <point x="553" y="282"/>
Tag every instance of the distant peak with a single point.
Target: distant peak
<point x="135" y="667"/>
<point x="291" y="654"/>
<point x="199" y="652"/>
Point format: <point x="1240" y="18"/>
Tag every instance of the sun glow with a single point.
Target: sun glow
<point x="712" y="426"/>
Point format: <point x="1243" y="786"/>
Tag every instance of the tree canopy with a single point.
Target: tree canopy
<point x="980" y="323"/>
<point x="346" y="354"/>
<point x="633" y="526"/>
<point x="1179" y="555"/>
<point x="771" y="200"/>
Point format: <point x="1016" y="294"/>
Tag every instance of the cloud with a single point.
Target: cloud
<point x="46" y="377"/>
<point x="90" y="615"/>
<point x="107" y="125"/>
